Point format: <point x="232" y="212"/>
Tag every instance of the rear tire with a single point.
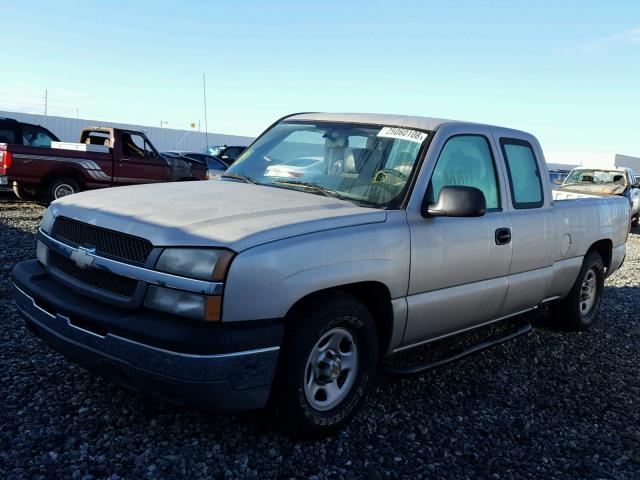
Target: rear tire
<point x="578" y="310"/>
<point x="636" y="221"/>
<point x="61" y="187"/>
<point x="326" y="366"/>
<point x="23" y="194"/>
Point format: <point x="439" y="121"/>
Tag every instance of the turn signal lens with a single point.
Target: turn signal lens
<point x="212" y="309"/>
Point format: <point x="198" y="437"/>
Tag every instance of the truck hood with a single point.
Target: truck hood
<point x="600" y="189"/>
<point x="212" y="213"/>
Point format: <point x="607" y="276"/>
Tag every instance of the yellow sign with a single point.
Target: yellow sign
<point x="193" y="124"/>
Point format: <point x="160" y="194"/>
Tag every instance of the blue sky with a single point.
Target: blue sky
<point x="567" y="71"/>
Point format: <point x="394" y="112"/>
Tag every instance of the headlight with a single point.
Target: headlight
<point x="185" y="304"/>
<point x="199" y="263"/>
<point x="47" y="221"/>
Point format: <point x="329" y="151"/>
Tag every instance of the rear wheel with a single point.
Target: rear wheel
<point x="327" y="363"/>
<point x="24" y="194"/>
<point x="635" y="221"/>
<point x="580" y="308"/>
<point x="61" y="187"/>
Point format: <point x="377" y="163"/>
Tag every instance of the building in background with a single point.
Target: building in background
<point x="569" y="160"/>
<point x="68" y="130"/>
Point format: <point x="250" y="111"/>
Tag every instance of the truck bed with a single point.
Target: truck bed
<point x="587" y="218"/>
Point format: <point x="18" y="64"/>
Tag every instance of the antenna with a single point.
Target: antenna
<point x="206" y="127"/>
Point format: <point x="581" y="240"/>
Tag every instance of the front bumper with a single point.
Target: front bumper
<point x="229" y="381"/>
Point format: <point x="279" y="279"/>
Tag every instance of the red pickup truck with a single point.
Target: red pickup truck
<point x="105" y="157"/>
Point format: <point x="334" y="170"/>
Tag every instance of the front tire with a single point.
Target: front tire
<point x="61" y="187"/>
<point x="578" y="310"/>
<point x="326" y="366"/>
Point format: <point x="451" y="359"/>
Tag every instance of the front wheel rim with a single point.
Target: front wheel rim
<point x="331" y="369"/>
<point x="63" y="190"/>
<point x="588" y="292"/>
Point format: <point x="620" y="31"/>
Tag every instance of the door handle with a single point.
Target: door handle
<point x="503" y="236"/>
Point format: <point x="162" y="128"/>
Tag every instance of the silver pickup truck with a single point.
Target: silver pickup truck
<point x="334" y="241"/>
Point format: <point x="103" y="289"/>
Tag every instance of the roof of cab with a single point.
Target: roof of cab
<point x="421" y="123"/>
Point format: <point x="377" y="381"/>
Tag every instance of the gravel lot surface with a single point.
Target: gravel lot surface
<point x="548" y="405"/>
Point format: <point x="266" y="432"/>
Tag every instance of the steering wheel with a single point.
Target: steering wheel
<point x="382" y="176"/>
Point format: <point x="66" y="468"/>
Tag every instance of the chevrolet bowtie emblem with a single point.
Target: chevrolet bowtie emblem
<point x="83" y="257"/>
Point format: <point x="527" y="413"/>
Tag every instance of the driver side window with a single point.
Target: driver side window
<point x="135" y="146"/>
<point x="466" y="160"/>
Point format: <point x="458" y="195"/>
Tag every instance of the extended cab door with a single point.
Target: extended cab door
<point x="533" y="228"/>
<point x="459" y="266"/>
<point x="137" y="161"/>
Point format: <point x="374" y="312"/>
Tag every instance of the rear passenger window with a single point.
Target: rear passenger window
<point x="524" y="174"/>
<point x="34" y="136"/>
<point x="466" y="160"/>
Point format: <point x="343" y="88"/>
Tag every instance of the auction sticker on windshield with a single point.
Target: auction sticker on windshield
<point x="403" y="134"/>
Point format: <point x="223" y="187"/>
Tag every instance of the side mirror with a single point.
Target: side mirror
<point x="457" y="201"/>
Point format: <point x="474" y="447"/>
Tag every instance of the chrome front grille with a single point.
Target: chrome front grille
<point x="108" y="243"/>
<point x="101" y="280"/>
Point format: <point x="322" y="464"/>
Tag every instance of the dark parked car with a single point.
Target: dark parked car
<point x="215" y="166"/>
<point x="19" y="133"/>
<point x="558" y="176"/>
<point x="226" y="153"/>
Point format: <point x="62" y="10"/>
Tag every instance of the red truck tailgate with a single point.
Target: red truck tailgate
<point x="5" y="159"/>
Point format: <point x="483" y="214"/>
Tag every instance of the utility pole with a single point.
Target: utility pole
<point x="46" y="101"/>
<point x="206" y="127"/>
<point x="77" y="115"/>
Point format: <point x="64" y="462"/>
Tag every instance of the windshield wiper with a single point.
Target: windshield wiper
<point x="312" y="186"/>
<point x="239" y="176"/>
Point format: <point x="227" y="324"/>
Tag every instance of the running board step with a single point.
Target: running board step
<point x="416" y="369"/>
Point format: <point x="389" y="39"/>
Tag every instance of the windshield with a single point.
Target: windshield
<point x="595" y="176"/>
<point x="364" y="164"/>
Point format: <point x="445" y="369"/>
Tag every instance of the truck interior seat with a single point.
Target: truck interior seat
<point x="94" y="140"/>
<point x="354" y="159"/>
<point x="618" y="179"/>
<point x="587" y="178"/>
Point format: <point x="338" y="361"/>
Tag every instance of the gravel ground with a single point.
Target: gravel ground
<point x="551" y="404"/>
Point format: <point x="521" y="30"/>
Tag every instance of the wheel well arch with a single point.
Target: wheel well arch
<point x="376" y="297"/>
<point x="62" y="172"/>
<point x="605" y="249"/>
